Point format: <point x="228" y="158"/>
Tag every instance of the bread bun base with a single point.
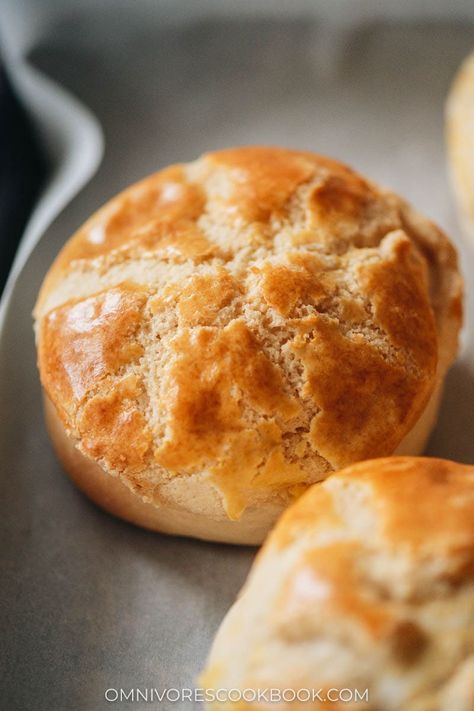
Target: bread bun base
<point x="111" y="494"/>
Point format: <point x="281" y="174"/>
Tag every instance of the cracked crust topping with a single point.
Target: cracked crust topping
<point x="260" y="316"/>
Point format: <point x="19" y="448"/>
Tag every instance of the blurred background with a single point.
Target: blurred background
<point x="169" y="79"/>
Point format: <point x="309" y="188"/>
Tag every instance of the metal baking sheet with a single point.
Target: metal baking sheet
<point x="89" y="603"/>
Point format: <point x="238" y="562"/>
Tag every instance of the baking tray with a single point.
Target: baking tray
<point x="90" y="603"/>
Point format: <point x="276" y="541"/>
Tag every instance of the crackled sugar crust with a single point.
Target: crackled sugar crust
<point x="259" y="317"/>
<point x="372" y="586"/>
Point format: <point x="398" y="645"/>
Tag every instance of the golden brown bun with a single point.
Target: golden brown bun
<point x="367" y="582"/>
<point x="460" y="141"/>
<point x="227" y="332"/>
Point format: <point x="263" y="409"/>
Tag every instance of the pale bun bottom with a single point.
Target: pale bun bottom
<point x="111" y="494"/>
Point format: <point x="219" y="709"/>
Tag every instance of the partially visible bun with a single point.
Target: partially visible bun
<point x="227" y="332"/>
<point x="460" y="141"/>
<point x="367" y="582"/>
